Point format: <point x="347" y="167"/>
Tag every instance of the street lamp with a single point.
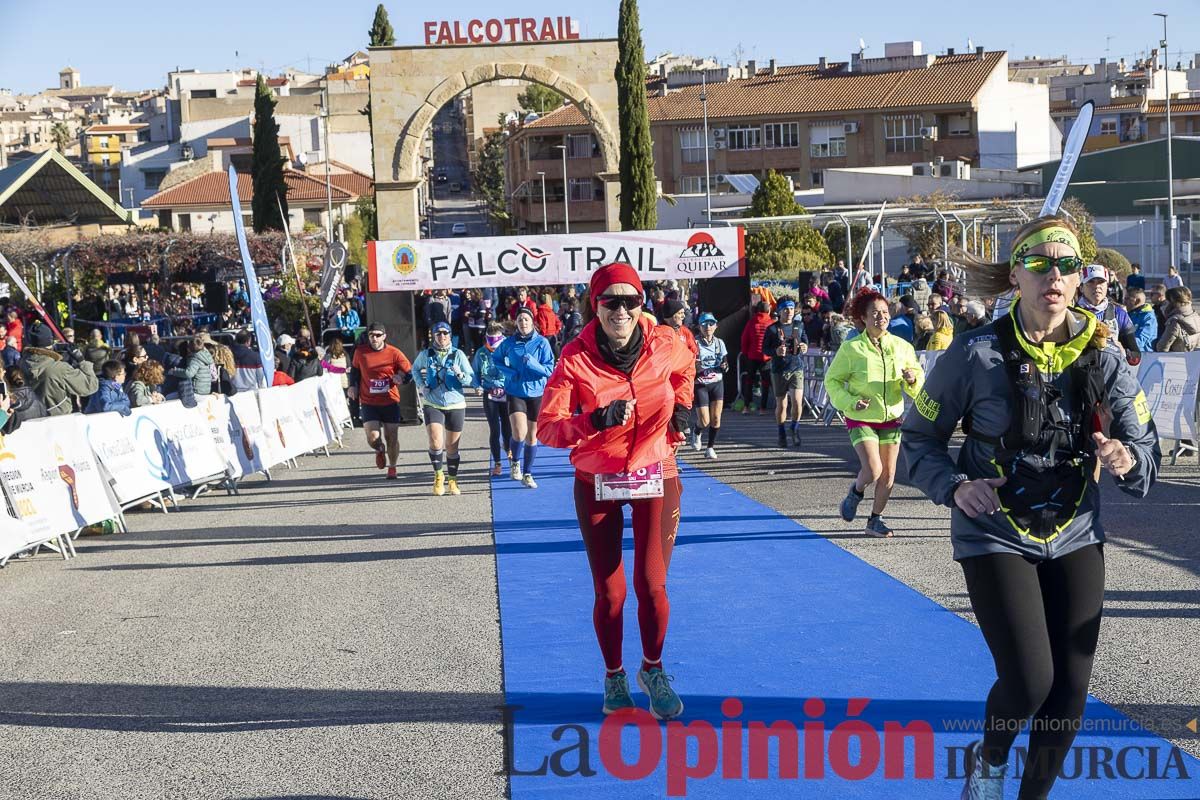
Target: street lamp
<point x="566" y="188"/>
<point x="1170" y="171"/>
<point x="707" y="188"/>
<point x="545" y="224"/>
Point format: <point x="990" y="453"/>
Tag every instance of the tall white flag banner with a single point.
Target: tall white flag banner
<point x="1070" y="157"/>
<point x="1170" y="381"/>
<point x="258" y="312"/>
<point x="418" y="264"/>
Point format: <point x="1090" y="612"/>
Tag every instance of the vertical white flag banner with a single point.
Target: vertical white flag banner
<point x="258" y="312"/>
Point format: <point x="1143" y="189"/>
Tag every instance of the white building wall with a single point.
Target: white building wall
<point x="850" y="186"/>
<point x="1015" y="128"/>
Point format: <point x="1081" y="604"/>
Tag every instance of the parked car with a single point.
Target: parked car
<point x="456" y="186"/>
<point x="459" y="229"/>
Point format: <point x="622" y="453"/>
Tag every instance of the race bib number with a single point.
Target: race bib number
<point x="642" y="483"/>
<point x="497" y="394"/>
<point x="708" y="376"/>
<point x="379" y="385"/>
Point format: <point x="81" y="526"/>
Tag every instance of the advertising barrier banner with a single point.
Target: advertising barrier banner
<point x="246" y="433"/>
<point x="396" y="266"/>
<point x="52" y="478"/>
<point x="1169" y="381"/>
<point x="132" y="454"/>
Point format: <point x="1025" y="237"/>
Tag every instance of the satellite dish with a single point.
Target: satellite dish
<point x="302" y="159"/>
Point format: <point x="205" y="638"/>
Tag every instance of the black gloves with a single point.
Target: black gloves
<point x="681" y="418"/>
<point x="609" y="416"/>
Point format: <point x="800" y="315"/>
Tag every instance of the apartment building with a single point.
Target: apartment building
<point x="905" y="108"/>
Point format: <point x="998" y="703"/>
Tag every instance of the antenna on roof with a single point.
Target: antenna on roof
<point x="862" y="46"/>
<point x="970" y="44"/>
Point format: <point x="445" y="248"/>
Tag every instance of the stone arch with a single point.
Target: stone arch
<point x="407" y="150"/>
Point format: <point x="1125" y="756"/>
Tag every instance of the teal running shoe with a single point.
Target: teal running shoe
<point x="664" y="703"/>
<point x="616" y="694"/>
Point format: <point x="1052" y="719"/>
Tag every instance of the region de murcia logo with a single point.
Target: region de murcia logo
<point x="404" y="259"/>
<point x="701" y="245"/>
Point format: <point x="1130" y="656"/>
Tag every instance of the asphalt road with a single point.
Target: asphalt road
<point x="332" y="635"/>
<point x="327" y="634"/>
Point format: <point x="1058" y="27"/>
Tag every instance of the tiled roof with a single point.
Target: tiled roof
<point x="241" y="141"/>
<point x="1061" y="105"/>
<point x="137" y="126"/>
<point x="213" y="190"/>
<point x="1177" y="107"/>
<point x="805" y="89"/>
<point x="343" y="176"/>
<point x="80" y="91"/>
<point x="270" y="82"/>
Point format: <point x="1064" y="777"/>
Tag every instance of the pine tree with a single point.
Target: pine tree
<point x="381" y="34"/>
<point x="782" y="248"/>
<point x="639" y="194"/>
<point x="267" y="165"/>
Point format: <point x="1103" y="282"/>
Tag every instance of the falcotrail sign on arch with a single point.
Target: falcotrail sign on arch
<point x="459" y="263"/>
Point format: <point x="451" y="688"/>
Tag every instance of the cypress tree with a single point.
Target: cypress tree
<point x="381" y="34"/>
<point x="639" y="195"/>
<point x="267" y="165"/>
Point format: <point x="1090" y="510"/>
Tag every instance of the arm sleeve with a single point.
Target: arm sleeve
<point x="543" y="364"/>
<point x="402" y="363"/>
<point x="835" y="380"/>
<point x="464" y="366"/>
<point x="941" y="403"/>
<point x="913" y="363"/>
<point x="477" y="369"/>
<point x="506" y="372"/>
<point x="1133" y="426"/>
<point x="683" y="374"/>
<point x="558" y="425"/>
<point x="83" y="381"/>
<point x="1170" y="334"/>
<point x="770" y="341"/>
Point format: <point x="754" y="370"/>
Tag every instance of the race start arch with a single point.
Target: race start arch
<point x="409" y="85"/>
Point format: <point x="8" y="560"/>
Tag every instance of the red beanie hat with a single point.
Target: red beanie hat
<point x="607" y="276"/>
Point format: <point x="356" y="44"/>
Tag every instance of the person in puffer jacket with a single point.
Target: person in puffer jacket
<point x="1181" y="330"/>
<point x="526" y="360"/>
<point x="1145" y="321"/>
<point x="620" y="400"/>
<point x="111" y="395"/>
<point x="443" y="372"/>
<point x="489" y="381"/>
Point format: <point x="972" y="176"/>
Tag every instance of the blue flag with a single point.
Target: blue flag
<point x="258" y="312"/>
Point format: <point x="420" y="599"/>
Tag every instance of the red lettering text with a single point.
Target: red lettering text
<point x="430" y="32"/>
<point x="649" y="744"/>
<point x="547" y="30"/>
<point x="473" y="31"/>
<point x="678" y="768"/>
<point x="494" y="30"/>
<point x="529" y="29"/>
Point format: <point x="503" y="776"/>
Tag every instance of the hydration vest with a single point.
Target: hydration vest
<point x="1047" y="455"/>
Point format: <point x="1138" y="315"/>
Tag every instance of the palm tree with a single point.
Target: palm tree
<point x="61" y="135"/>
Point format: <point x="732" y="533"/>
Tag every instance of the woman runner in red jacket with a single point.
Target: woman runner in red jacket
<point x="620" y="399"/>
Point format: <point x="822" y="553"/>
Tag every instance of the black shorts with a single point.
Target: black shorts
<point x="388" y="415"/>
<point x="452" y="419"/>
<point x="529" y="406"/>
<point x="707" y="393"/>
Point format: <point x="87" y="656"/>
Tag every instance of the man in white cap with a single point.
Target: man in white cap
<point x="1093" y="296"/>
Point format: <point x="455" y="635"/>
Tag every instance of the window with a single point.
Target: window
<point x="583" y="190"/>
<point x="1108" y="127"/>
<point x="691" y="145"/>
<point x="818" y="179"/>
<point x="204" y="94"/>
<point x="105" y="160"/>
<point x="694" y="184"/>
<point x="153" y="178"/>
<point x="102" y="143"/>
<point x="1070" y="94"/>
<point x="902" y="133"/>
<point x="782" y="134"/>
<point x="579" y="146"/>
<point x="744" y="138"/>
<point x="826" y="141"/>
<point x="958" y="124"/>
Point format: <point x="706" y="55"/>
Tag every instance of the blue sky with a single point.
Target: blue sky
<point x="133" y="46"/>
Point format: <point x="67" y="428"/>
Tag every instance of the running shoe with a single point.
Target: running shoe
<point x="514" y="472"/>
<point x="452" y="486"/>
<point x="380" y="457"/>
<point x="878" y="528"/>
<point x="664" y="703"/>
<point x="710" y="453"/>
<point x="528" y="482"/>
<point x="616" y="694"/>
<point x="796" y="436"/>
<point x="696" y="441"/>
<point x="783" y="441"/>
<point x="439" y="483"/>
<point x="984" y="782"/>
<point x="850" y="504"/>
<point x="391" y="473"/>
<point x="497" y="470"/>
<point x="739" y="405"/>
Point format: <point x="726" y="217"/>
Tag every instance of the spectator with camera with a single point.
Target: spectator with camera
<point x="60" y="380"/>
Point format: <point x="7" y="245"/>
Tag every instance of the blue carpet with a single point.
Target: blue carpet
<point x="765" y="611"/>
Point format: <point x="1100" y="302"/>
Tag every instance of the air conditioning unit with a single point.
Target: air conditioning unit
<point x="850" y="127"/>
<point x="955" y="169"/>
<point x="924" y="169"/>
<point x="718" y="134"/>
<point x="719" y="144"/>
<point x="930" y="133"/>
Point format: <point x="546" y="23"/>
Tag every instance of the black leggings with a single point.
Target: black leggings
<point x="1041" y="620"/>
<point x="756" y="371"/>
<point x="499" y="429"/>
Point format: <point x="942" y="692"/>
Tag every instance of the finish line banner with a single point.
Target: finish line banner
<point x="460" y="263"/>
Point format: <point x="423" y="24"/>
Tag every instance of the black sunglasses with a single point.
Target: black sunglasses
<point x="626" y="301"/>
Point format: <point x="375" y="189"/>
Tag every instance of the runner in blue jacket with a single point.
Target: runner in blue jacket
<point x="490" y="383"/>
<point x="526" y="361"/>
